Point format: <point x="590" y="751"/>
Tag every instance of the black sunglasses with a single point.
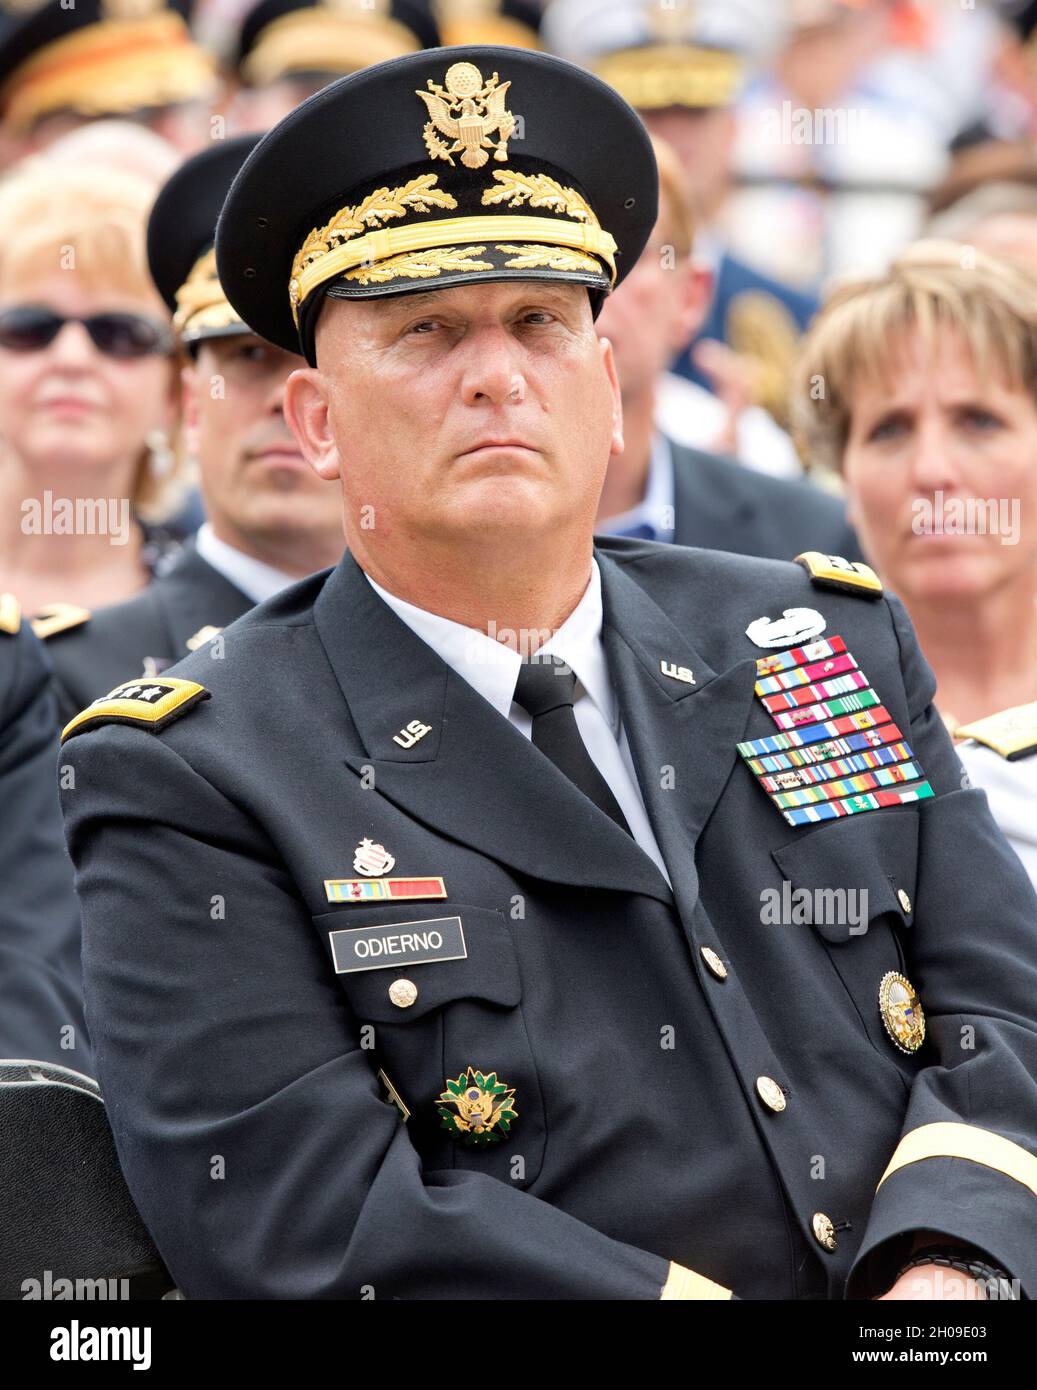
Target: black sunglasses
<point x="31" y="327"/>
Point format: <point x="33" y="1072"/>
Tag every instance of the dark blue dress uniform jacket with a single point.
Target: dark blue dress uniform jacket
<point x="41" y="1009"/>
<point x="241" y="1071"/>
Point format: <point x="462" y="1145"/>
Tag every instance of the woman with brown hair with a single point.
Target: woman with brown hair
<point x="88" y="388"/>
<point x="920" y="388"/>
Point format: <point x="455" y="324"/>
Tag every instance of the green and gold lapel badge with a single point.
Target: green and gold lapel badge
<point x="483" y="1109"/>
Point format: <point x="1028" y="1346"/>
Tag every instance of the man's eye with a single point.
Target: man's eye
<point x="250" y="352"/>
<point x="424" y="326"/>
<point x="538" y="316"/>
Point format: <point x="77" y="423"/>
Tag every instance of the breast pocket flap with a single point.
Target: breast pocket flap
<point x="396" y="964"/>
<point x="873" y="856"/>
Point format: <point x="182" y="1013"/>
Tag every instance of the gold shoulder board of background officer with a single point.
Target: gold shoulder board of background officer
<point x="844" y="576"/>
<point x="10" y="614"/>
<point x="1011" y="732"/>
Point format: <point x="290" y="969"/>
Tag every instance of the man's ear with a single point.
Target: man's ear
<point x="695" y="292"/>
<point x="306" y="410"/>
<point x="609" y="363"/>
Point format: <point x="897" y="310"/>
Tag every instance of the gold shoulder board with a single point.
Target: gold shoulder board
<point x="10" y="614"/>
<point x="845" y="576"/>
<point x="58" y="617"/>
<point x="1012" y="732"/>
<point x="152" y="703"/>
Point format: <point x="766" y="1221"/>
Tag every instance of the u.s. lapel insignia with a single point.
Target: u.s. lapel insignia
<point x="467" y="111"/>
<point x="409" y="736"/>
<point x="483" y="1107"/>
<point x="371" y="859"/>
<point x="794" y="626"/>
<point x="675" y="672"/>
<point x="901" y="1012"/>
<point x="839" y="751"/>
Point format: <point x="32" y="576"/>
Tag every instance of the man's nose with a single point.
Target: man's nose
<point x="492" y="368"/>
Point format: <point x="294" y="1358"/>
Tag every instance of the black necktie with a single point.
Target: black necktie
<point x="545" y="690"/>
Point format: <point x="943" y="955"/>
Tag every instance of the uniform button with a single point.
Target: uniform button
<point x="771" y="1093"/>
<point x="904" y="901"/>
<point x="714" y="962"/>
<point x="403" y="993"/>
<point x="824" y="1231"/>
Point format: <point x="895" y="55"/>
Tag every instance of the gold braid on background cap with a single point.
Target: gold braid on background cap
<point x="200" y="301"/>
<point x="662" y="75"/>
<point x="340" y="37"/>
<point x="116" y="65"/>
<point x="468" y="22"/>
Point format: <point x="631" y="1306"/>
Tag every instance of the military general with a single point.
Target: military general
<point x="507" y="915"/>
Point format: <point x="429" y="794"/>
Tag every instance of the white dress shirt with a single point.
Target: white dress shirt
<point x="1011" y="789"/>
<point x="492" y="669"/>
<point x="256" y="580"/>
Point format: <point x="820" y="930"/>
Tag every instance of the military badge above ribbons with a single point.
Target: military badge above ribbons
<point x="839" y="751"/>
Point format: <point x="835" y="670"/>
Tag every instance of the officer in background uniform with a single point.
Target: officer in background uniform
<point x="682" y="66"/>
<point x="1000" y="754"/>
<point x="62" y="65"/>
<point x="512" y="22"/>
<point x="270" y="519"/>
<point x="658" y="489"/>
<point x="289" y="49"/>
<point x="482" y="974"/>
<point x="41" y="1008"/>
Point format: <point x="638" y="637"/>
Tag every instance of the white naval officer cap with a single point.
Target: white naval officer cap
<point x="660" y="53"/>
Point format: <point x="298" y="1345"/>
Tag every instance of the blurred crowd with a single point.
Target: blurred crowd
<point x="829" y="344"/>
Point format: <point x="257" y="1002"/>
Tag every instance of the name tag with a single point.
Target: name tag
<point x="403" y="943"/>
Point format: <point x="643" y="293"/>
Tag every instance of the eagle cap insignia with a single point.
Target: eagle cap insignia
<point x="483" y="1107"/>
<point x="468" y="111"/>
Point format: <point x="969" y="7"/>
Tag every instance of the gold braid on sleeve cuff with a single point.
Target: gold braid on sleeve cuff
<point x="685" y="1283"/>
<point x="947" y="1140"/>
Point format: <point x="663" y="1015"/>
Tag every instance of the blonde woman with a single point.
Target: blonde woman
<point x="88" y="388"/>
<point x="920" y="388"/>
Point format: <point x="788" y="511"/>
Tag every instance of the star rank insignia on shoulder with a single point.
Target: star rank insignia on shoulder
<point x="839" y="751"/>
<point x="842" y="576"/>
<point x="151" y="704"/>
<point x="1011" y="732"/>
